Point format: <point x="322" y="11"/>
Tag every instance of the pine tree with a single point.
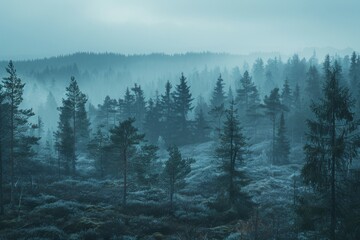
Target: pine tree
<point x="286" y="96"/>
<point x="282" y="146"/>
<point x="19" y="142"/>
<point x="139" y="106"/>
<point x="354" y="74"/>
<point x="96" y="150"/>
<point x="182" y="106"/>
<point x="201" y="127"/>
<point x="128" y="105"/>
<point x="232" y="148"/>
<point x="167" y="112"/>
<point x="143" y="164"/>
<point x="73" y="125"/>
<point x="106" y="115"/>
<point x="218" y="97"/>
<point x="313" y="82"/>
<point x="152" y="123"/>
<point x="258" y="71"/>
<point x="176" y="169"/>
<point x="331" y="142"/>
<point x="124" y="137"/>
<point x="247" y="96"/>
<point x="273" y="107"/>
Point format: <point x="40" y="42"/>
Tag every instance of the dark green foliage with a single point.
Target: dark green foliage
<point x="144" y="165"/>
<point x="202" y="128"/>
<point x="73" y="126"/>
<point x="286" y="94"/>
<point x="273" y="107"/>
<point x="139" y="106"/>
<point x="107" y="113"/>
<point x="218" y="97"/>
<point x="282" y="145"/>
<point x="247" y="96"/>
<point x="175" y="171"/>
<point x="17" y="127"/>
<point x="152" y="124"/>
<point x="124" y="137"/>
<point x="232" y="148"/>
<point x="96" y="150"/>
<point x="127" y="105"/>
<point x="313" y="88"/>
<point x="332" y="142"/>
<point x="182" y="106"/>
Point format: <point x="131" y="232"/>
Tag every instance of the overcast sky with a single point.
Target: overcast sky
<point x="43" y="28"/>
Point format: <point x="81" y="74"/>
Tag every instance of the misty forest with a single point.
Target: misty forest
<point x="177" y="120"/>
<point x="261" y="152"/>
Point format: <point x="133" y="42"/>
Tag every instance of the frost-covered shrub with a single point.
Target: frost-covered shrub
<point x="46" y="232"/>
<point x="58" y="209"/>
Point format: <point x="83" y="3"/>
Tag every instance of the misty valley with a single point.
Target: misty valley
<point x="184" y="146"/>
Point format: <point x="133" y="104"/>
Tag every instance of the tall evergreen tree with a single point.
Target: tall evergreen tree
<point x="182" y="106"/>
<point x="313" y="83"/>
<point x="282" y="145"/>
<point x="2" y="129"/>
<point x="202" y="128"/>
<point x="152" y="123"/>
<point x="175" y="171"/>
<point x="273" y="108"/>
<point x="106" y="114"/>
<point x="286" y="95"/>
<point x="232" y="148"/>
<point x="96" y="150"/>
<point x="247" y="96"/>
<point x="128" y="105"/>
<point x="167" y="112"/>
<point x="218" y="96"/>
<point x="139" y="106"/>
<point x="331" y="142"/>
<point x="354" y="74"/>
<point x="124" y="137"/>
<point x="19" y="142"/>
<point x="73" y="124"/>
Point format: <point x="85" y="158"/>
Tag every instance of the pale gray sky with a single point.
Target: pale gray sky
<point x="43" y="28"/>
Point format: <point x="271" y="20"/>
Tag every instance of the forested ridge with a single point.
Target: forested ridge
<point x="196" y="151"/>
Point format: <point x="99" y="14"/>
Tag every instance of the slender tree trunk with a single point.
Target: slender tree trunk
<point x="273" y="141"/>
<point x="74" y="153"/>
<point x="125" y="178"/>
<point x="12" y="147"/>
<point x="333" y="179"/>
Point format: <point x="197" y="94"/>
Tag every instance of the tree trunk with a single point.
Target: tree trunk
<point x="333" y="197"/>
<point x="125" y="178"/>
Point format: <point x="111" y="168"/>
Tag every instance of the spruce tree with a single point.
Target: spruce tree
<point x="139" y="106"/>
<point x="19" y="142"/>
<point x="152" y="123"/>
<point x="232" y="148"/>
<point x="331" y="142"/>
<point x="124" y="137"/>
<point x="247" y="96"/>
<point x="286" y="95"/>
<point x="96" y="150"/>
<point x="73" y="125"/>
<point x="2" y="129"/>
<point x="201" y="127"/>
<point x="182" y="106"/>
<point x="313" y="83"/>
<point x="176" y="169"/>
<point x="106" y="115"/>
<point x="282" y="145"/>
<point x="273" y="107"/>
<point x="128" y="105"/>
<point x="218" y="97"/>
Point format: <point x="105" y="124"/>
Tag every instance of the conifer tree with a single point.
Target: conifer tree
<point x="201" y="127"/>
<point x="286" y="96"/>
<point x="152" y="123"/>
<point x="73" y="125"/>
<point x="331" y="142"/>
<point x="106" y="115"/>
<point x="128" y="105"/>
<point x="96" y="149"/>
<point x="176" y="169"/>
<point x="218" y="97"/>
<point x="124" y="137"/>
<point x="19" y="142"/>
<point x="247" y="96"/>
<point x="273" y="107"/>
<point x="143" y="164"/>
<point x="313" y="83"/>
<point x="282" y="146"/>
<point x="139" y="106"/>
<point x="354" y="74"/>
<point x="2" y="114"/>
<point x="232" y="149"/>
<point x="182" y="106"/>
